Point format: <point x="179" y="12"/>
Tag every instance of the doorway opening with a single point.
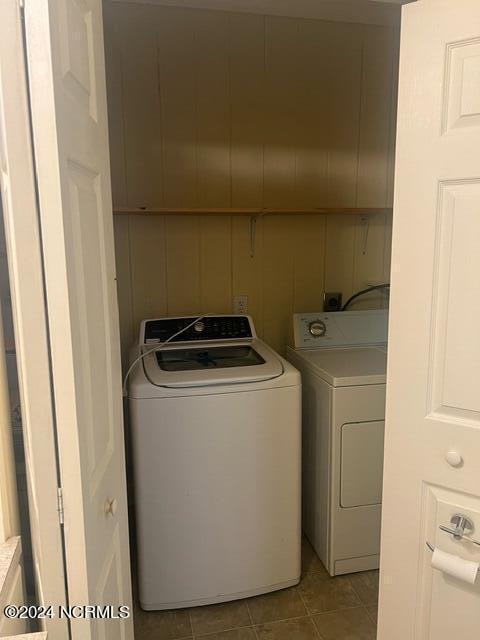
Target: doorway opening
<point x="252" y="161"/>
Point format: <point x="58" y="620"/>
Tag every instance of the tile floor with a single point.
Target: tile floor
<point x="319" y="608"/>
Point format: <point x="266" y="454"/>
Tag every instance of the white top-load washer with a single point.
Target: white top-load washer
<point x="216" y="430"/>
<point x="342" y="358"/>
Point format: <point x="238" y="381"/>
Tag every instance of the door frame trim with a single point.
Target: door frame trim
<point x="23" y="240"/>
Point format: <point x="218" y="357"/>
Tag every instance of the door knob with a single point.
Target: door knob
<point x="454" y="459"/>
<point x="111" y="506"/>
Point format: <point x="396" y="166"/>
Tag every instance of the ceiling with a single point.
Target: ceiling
<point x="363" y="11"/>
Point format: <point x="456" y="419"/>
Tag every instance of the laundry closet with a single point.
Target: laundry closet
<point x="252" y="163"/>
<point x="251" y="158"/>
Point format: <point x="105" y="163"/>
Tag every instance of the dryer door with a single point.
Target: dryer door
<point x="362" y="463"/>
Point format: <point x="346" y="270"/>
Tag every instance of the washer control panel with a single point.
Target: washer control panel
<point x="340" y="328"/>
<point x="206" y="328"/>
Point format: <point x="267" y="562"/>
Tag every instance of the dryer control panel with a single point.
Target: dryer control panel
<point x="340" y="328"/>
<point x="205" y="329"/>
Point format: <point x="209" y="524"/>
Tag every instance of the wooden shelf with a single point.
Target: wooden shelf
<point x="251" y="212"/>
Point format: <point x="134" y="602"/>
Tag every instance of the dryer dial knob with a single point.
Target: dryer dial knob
<point x="199" y="326"/>
<point x="317" y="328"/>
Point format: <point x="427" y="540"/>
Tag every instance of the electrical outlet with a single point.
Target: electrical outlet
<point x="332" y="301"/>
<point x="240" y="305"/>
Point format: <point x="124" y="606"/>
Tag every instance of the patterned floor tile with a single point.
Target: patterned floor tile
<point x="350" y="624"/>
<point x="219" y="617"/>
<point x="247" y="633"/>
<point x="373" y="613"/>
<point x="164" y="625"/>
<point x="311" y="563"/>
<point x="366" y="586"/>
<point x="299" y="629"/>
<point x="321" y="595"/>
<point x="278" y="605"/>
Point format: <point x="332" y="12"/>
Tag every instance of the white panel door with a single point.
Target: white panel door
<point x="20" y="214"/>
<point x="433" y="391"/>
<point x="67" y="86"/>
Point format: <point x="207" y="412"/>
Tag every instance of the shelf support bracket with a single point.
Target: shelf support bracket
<point x="253" y="234"/>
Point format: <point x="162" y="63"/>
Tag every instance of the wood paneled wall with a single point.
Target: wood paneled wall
<point x="213" y="109"/>
<point x="219" y="110"/>
<point x="183" y="264"/>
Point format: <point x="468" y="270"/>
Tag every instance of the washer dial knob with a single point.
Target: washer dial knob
<point x="199" y="326"/>
<point x="317" y="328"/>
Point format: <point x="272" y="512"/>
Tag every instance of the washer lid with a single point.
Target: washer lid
<point x="212" y="364"/>
<point x="348" y="367"/>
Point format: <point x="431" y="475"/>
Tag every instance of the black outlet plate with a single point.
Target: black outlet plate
<point x="332" y="301"/>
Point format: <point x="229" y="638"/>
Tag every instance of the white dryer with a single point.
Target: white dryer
<point x="216" y="429"/>
<point x="342" y="358"/>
